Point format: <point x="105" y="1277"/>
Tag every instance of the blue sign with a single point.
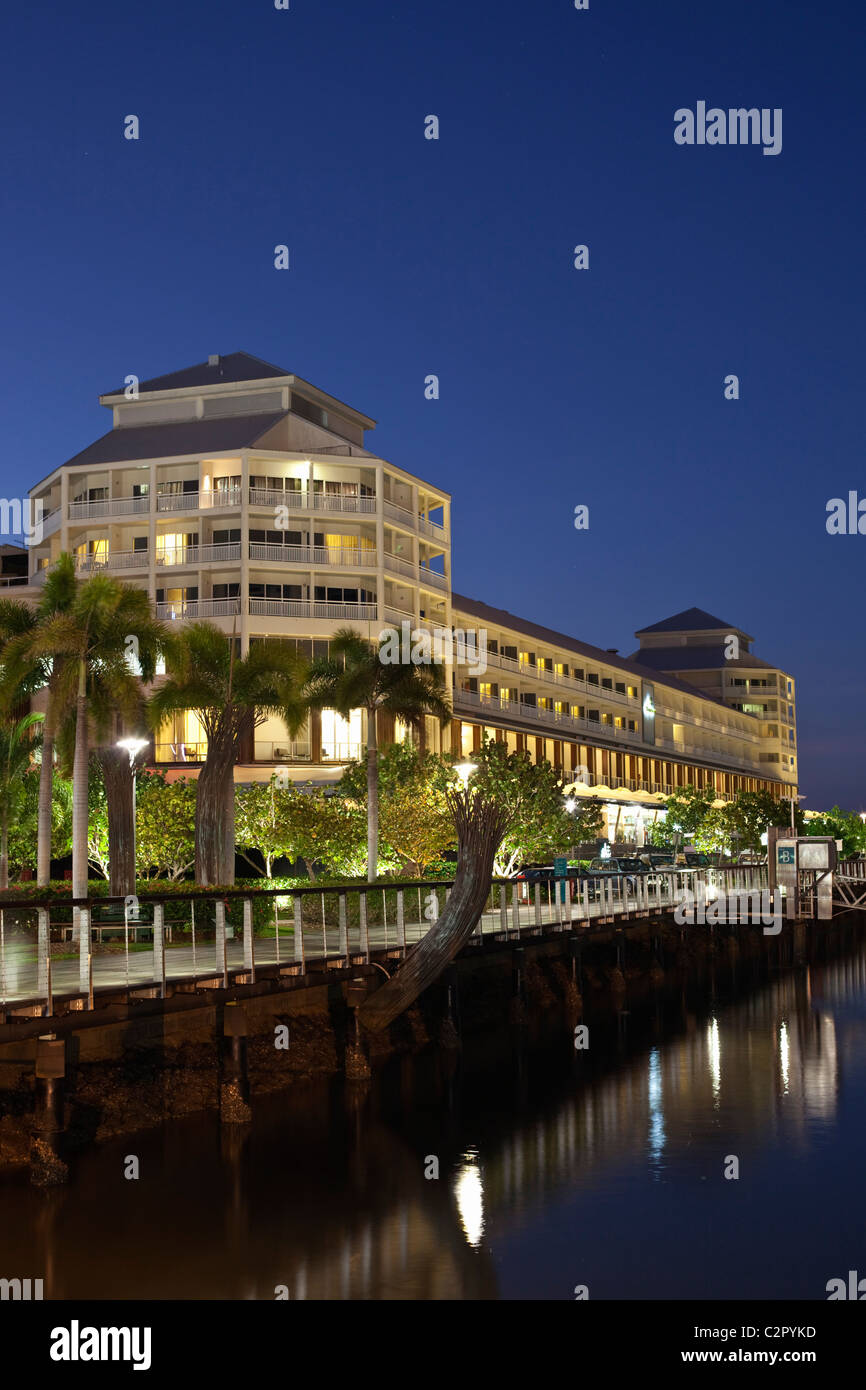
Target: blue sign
<point x="786" y="854"/>
<point x="560" y="870"/>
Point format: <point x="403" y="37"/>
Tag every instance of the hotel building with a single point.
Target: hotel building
<point x="237" y="492"/>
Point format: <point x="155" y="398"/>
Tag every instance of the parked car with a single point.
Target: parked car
<point x="620" y="870"/>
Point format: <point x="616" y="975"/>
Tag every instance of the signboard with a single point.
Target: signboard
<point x="786" y="854"/>
<point x="560" y="869"/>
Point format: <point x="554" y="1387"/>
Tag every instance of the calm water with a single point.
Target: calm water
<point x="556" y="1168"/>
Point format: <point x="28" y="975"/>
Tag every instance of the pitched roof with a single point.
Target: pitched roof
<point x="237" y="366"/>
<point x="695" y="659"/>
<point x="178" y="437"/>
<point x="503" y="618"/>
<point x="690" y="620"/>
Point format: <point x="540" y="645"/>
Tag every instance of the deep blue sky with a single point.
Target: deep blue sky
<point x="412" y="257"/>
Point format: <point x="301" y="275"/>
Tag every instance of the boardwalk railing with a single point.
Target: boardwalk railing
<point x="144" y="945"/>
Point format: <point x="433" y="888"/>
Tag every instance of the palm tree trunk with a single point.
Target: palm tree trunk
<point x="481" y="824"/>
<point x="79" y="794"/>
<point x="372" y="797"/>
<point x="118" y="776"/>
<point x="46" y="786"/>
<point x="214" y="817"/>
<point x="4" y="852"/>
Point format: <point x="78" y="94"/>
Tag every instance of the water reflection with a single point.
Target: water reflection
<point x="604" y="1167"/>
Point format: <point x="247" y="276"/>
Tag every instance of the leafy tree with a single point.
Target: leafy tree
<point x="842" y="825"/>
<point x="25" y="671"/>
<point x="291" y="823"/>
<point x="755" y="812"/>
<point x="538" y="823"/>
<point x="88" y="645"/>
<point x="23" y="842"/>
<point x="165" y="826"/>
<point x="356" y="676"/>
<point x="231" y="695"/>
<point x="718" y="831"/>
<point x="16" y="751"/>
<point x="415" y="822"/>
<point x="686" y="812"/>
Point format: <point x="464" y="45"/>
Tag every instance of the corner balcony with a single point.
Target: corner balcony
<point x="419" y="573"/>
<point x="197" y="501"/>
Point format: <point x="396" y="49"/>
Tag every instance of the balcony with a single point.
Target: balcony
<point x="199" y="554"/>
<point x="114" y="560"/>
<point x="402" y="515"/>
<point x="180" y="752"/>
<point x="307" y="608"/>
<point x="314" y="555"/>
<point x="432" y="528"/>
<point x="550" y="718"/>
<point x="419" y="573"/>
<point x="198" y="608"/>
<point x="108" y="506"/>
<point x="197" y="501"/>
<point x="282" y="751"/>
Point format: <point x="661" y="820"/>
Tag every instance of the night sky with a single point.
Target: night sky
<point x="411" y="256"/>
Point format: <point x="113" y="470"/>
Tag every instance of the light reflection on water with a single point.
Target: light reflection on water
<point x="604" y="1167"/>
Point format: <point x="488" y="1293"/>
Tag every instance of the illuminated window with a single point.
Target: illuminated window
<point x="170" y="548"/>
<point x="466" y="740"/>
<point x="341" y="738"/>
<point x="181" y="739"/>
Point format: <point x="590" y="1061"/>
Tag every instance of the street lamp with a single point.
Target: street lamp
<point x="133" y="747"/>
<point x="464" y="771"/>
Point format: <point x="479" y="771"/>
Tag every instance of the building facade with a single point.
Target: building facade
<point x="239" y="493"/>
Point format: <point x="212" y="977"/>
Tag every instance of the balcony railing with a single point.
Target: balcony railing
<point x="282" y="751"/>
<point x="108" y="506"/>
<point x="197" y="501"/>
<point x="199" y="554"/>
<point x="432" y="528"/>
<point x="428" y="576"/>
<point x="180" y="752"/>
<point x="399" y="513"/>
<point x="308" y="501"/>
<point x="114" y="560"/>
<point x="519" y="710"/>
<point x="198" y="608"/>
<point x="306" y="608"/>
<point x="314" y="555"/>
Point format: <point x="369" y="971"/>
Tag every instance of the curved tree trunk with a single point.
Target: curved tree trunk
<point x="46" y="787"/>
<point x="80" y="772"/>
<point x="481" y="824"/>
<point x="372" y="797"/>
<point x="119" y="808"/>
<point x="214" y="818"/>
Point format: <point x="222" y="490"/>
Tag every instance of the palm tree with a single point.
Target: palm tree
<point x="354" y="677"/>
<point x="89" y="644"/>
<point x="25" y="673"/>
<point x="231" y="695"/>
<point x="15" y="754"/>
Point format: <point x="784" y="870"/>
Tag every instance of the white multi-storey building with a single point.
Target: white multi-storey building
<point x="239" y="493"/>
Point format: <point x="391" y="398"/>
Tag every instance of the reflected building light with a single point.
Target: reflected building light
<point x="656" y="1110"/>
<point x="784" y="1054"/>
<point x="715" y="1053"/>
<point x="469" y="1196"/>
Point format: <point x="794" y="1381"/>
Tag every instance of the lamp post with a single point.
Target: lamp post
<point x="793" y="826"/>
<point x="464" y="771"/>
<point x="133" y="747"/>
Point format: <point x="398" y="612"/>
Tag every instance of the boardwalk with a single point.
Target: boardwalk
<point x="514" y="910"/>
